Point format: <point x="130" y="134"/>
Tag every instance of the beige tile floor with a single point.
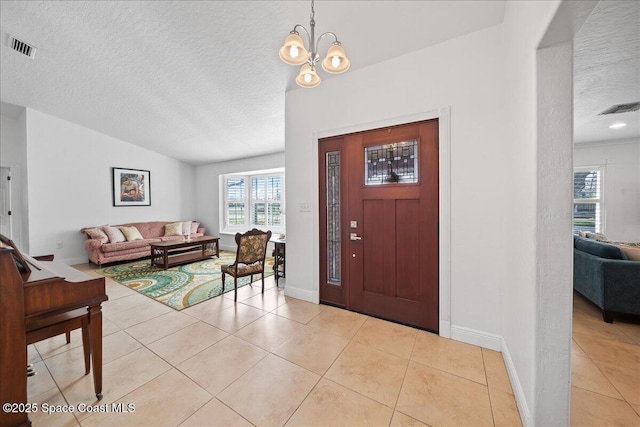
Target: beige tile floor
<point x="605" y="374"/>
<point x="273" y="360"/>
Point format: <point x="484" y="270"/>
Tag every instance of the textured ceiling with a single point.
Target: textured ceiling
<point x="199" y="81"/>
<point x="607" y="71"/>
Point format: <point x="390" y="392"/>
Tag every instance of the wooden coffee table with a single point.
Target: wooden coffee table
<point x="176" y="252"/>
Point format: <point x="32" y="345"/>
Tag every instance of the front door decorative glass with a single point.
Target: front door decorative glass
<point x="391" y="163"/>
<point x="333" y="218"/>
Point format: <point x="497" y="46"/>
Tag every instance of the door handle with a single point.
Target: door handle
<point x="354" y="236"/>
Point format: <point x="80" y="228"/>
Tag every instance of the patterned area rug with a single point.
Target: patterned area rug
<point x="181" y="286"/>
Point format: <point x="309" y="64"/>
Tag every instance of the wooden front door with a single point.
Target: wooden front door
<point x="379" y="223"/>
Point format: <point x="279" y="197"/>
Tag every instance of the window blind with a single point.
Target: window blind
<point x="587" y="201"/>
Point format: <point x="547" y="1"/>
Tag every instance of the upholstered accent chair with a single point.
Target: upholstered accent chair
<point x="250" y="257"/>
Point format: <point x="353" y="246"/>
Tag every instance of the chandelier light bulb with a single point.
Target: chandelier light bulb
<point x="308" y="77"/>
<point x="293" y="51"/>
<point x="336" y="61"/>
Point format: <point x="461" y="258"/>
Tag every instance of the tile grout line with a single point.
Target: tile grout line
<point x="269" y="352"/>
<point x="486" y="378"/>
<point x="404" y="377"/>
<point x="327" y="370"/>
<point x="227" y="406"/>
<point x="592" y="332"/>
<point x="60" y="390"/>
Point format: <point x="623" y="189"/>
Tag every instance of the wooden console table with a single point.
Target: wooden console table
<point x="176" y="252"/>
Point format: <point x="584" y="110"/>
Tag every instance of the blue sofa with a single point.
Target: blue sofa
<point x="603" y="274"/>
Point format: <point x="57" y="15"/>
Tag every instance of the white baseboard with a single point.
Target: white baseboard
<point x="475" y="337"/>
<point x="303" y="294"/>
<point x="521" y="401"/>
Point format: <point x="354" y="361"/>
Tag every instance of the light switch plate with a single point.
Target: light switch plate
<point x="305" y="207"/>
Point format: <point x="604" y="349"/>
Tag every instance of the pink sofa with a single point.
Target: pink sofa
<point x="102" y="251"/>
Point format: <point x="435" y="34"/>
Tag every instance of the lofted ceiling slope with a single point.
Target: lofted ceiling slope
<point x="199" y="81"/>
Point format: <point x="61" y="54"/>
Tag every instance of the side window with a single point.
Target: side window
<point x="588" y="199"/>
<point x="235" y="212"/>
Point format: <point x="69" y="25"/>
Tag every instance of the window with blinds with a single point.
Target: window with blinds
<point x="235" y="201"/>
<point x="254" y="200"/>
<point x="266" y="200"/>
<point x="587" y="200"/>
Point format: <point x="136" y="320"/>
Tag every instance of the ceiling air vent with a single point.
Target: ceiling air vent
<point x="621" y="108"/>
<point x="22" y="47"/>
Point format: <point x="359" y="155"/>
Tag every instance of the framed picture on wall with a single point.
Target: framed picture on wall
<point x="131" y="187"/>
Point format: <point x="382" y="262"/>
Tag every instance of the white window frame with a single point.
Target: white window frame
<point x="227" y="228"/>
<point x="225" y="202"/>
<point x="600" y="201"/>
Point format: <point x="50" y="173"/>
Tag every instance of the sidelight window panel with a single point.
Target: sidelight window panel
<point x="334" y="252"/>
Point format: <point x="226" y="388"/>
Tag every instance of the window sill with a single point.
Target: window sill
<point x="274" y="231"/>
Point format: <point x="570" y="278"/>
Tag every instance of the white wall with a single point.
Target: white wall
<point x="525" y="24"/>
<point x="621" y="161"/>
<point x="537" y="320"/>
<point x="466" y="74"/>
<point x="208" y="190"/>
<point x="69" y="175"/>
<point x="554" y="243"/>
<point x="13" y="154"/>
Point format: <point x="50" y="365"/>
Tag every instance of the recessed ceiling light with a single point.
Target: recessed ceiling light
<point x="617" y="125"/>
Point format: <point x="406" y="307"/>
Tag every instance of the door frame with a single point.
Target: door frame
<point x="444" y="185"/>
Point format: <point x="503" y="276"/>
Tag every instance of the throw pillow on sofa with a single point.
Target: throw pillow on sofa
<point x="131" y="233"/>
<point x="97" y="233"/>
<point x="173" y="229"/>
<point x="186" y="227"/>
<point x="114" y="234"/>
<point x="595" y="236"/>
<point x="194" y="227"/>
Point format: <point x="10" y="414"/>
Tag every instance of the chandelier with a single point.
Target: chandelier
<point x="293" y="52"/>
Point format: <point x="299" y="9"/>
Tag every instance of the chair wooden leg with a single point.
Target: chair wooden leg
<point x="86" y="344"/>
<point x="263" y="281"/>
<point x="68" y="334"/>
<point x="223" y="282"/>
<point x="235" y="289"/>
